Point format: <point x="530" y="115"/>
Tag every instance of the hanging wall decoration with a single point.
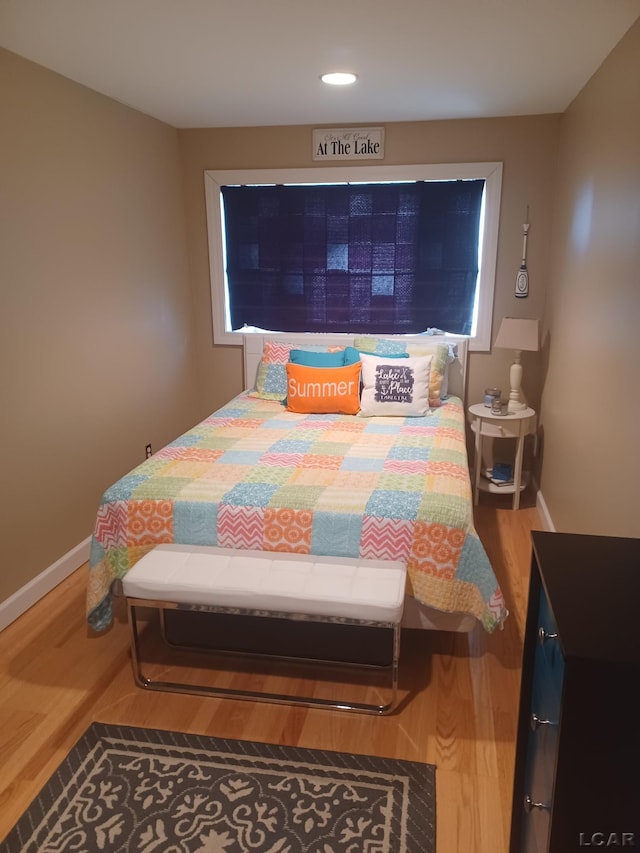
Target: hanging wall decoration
<point x="348" y="143"/>
<point x="522" y="278"/>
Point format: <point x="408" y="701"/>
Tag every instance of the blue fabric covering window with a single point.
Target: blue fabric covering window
<point x="362" y="258"/>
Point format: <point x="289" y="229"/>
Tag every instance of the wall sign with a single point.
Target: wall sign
<point x="348" y="143"/>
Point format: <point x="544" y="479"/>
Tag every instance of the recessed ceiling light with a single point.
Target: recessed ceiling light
<point x="339" y="78"/>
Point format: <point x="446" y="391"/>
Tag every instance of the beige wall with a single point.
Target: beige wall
<point x="527" y="146"/>
<point x="591" y="411"/>
<point x="96" y="355"/>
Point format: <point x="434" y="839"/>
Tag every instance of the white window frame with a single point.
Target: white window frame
<point x="491" y="172"/>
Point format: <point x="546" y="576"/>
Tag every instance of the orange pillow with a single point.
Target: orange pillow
<point x="323" y="390"/>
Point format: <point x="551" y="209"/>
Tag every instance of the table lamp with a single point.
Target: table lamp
<point x="517" y="334"/>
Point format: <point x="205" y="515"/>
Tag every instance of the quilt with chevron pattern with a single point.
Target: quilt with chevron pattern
<point x="256" y="476"/>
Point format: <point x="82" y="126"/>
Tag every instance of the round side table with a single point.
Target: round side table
<point x="510" y="425"/>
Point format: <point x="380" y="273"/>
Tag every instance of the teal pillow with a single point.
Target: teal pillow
<point x="351" y="355"/>
<point x="317" y="359"/>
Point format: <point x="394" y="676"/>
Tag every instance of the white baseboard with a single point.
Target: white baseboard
<point x="30" y="593"/>
<point x="545" y="515"/>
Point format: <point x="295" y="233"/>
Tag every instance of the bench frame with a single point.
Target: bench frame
<point x="133" y="603"/>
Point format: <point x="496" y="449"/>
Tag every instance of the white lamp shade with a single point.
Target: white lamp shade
<point x="518" y="334"/>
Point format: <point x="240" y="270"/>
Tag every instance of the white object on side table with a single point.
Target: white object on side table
<point x="511" y="425"/>
<point x="518" y="335"/>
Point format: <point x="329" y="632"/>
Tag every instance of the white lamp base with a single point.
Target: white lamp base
<point x="516" y="403"/>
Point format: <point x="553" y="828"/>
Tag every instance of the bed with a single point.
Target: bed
<point x="255" y="475"/>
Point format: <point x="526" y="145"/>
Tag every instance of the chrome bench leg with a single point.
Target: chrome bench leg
<point x="257" y="696"/>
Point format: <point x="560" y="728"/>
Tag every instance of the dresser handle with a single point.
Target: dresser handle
<point x="543" y="635"/>
<point x="537" y="721"/>
<point x="529" y="804"/>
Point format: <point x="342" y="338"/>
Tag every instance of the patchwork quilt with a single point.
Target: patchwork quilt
<point x="253" y="475"/>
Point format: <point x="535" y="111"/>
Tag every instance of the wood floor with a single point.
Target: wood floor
<point x="459" y="710"/>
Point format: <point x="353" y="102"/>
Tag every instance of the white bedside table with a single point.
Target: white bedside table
<point x="513" y="425"/>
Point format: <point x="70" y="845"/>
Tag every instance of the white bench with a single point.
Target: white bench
<point x="268" y="584"/>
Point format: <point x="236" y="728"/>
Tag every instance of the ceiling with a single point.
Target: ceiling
<point x="234" y="63"/>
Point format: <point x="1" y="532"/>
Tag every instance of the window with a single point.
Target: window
<point x="354" y="286"/>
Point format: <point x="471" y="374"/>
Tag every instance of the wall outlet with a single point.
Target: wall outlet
<point x="147" y="451"/>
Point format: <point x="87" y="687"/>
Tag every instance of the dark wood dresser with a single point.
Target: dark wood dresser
<point x="577" y="769"/>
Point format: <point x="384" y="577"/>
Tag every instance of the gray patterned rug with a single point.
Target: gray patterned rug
<point x="150" y="791"/>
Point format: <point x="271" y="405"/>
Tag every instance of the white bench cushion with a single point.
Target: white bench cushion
<point x="270" y="580"/>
